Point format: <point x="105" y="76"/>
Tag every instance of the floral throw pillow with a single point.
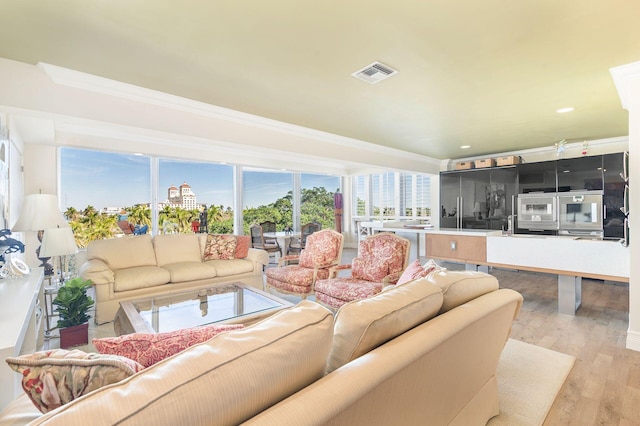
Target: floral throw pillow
<point x="415" y="270"/>
<point x="56" y="377"/>
<point x="148" y="349"/>
<point x="220" y="246"/>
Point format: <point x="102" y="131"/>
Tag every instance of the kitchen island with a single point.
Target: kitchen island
<point x="571" y="258"/>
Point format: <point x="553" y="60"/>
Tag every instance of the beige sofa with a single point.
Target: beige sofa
<point x="130" y="268"/>
<point x="424" y="352"/>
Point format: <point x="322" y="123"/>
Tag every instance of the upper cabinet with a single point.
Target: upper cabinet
<point x="580" y="174"/>
<point x="537" y="177"/>
<point x="477" y="199"/>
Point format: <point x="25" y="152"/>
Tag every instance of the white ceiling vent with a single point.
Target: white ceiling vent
<point x="374" y="73"/>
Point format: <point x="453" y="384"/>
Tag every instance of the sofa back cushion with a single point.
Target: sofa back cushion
<point x="177" y="248"/>
<point x="223" y="381"/>
<point x="459" y="287"/>
<point x="123" y="252"/>
<point x="363" y="325"/>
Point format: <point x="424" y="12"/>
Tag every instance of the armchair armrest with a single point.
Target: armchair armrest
<point x="285" y="260"/>
<point x="392" y="278"/>
<point x="96" y="271"/>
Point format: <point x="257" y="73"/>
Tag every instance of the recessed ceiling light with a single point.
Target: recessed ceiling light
<point x="465" y="147"/>
<point x="563" y="110"/>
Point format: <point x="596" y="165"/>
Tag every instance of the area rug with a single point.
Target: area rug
<point x="529" y="379"/>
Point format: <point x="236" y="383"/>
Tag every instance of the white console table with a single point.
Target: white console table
<point x="21" y="326"/>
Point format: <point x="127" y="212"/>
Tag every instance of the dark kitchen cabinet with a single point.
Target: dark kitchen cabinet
<point x="537" y="177"/>
<point x="477" y="199"/>
<point x="580" y="174"/>
<point x="613" y="198"/>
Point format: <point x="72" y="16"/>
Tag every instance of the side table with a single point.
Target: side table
<point x="50" y="293"/>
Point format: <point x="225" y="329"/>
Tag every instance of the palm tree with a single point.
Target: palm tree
<point x="140" y="214"/>
<point x="71" y="213"/>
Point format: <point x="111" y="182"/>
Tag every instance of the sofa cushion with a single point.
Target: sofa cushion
<point x="176" y="248"/>
<point x="226" y="268"/>
<point x="243" y="243"/>
<point x="53" y="378"/>
<point x="189" y="271"/>
<point x="220" y="246"/>
<point x="225" y="380"/>
<point x="363" y="325"/>
<point x="140" y="277"/>
<point x="124" y="252"/>
<point x="147" y="349"/>
<point x="459" y="287"/>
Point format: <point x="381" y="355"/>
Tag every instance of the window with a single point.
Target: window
<point x="268" y="196"/>
<point x="391" y="195"/>
<point x="99" y="188"/>
<point x="195" y="197"/>
<point x="317" y="199"/>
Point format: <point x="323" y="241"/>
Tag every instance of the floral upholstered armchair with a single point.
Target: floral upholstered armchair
<point x="317" y="260"/>
<point x="381" y="260"/>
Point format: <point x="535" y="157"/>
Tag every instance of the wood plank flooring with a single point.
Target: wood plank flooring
<point x="603" y="387"/>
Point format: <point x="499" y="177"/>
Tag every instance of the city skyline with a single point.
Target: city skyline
<point x="105" y="179"/>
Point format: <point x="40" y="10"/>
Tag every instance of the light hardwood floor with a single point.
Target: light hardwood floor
<point x="603" y="387"/>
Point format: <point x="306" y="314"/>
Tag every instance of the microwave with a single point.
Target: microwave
<point x="537" y="211"/>
<point x="580" y="212"/>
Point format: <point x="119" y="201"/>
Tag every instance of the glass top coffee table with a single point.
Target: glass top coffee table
<point x="234" y="303"/>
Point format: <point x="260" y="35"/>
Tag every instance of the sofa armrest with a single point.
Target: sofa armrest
<point x="258" y="256"/>
<point x="97" y="271"/>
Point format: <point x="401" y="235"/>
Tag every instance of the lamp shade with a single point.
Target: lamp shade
<point x="58" y="242"/>
<point x="39" y="211"/>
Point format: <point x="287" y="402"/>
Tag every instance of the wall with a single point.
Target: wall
<point x="627" y="79"/>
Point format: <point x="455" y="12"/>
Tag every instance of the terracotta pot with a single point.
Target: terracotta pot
<point x="74" y="336"/>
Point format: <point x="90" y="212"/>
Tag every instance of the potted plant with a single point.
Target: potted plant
<point x="73" y="306"/>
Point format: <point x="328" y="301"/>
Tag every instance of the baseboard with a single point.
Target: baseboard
<point x="633" y="340"/>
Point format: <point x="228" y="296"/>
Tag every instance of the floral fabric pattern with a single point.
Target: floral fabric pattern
<point x="148" y="349"/>
<point x="220" y="246"/>
<point x="381" y="260"/>
<point x="53" y="378"/>
<point x="415" y="270"/>
<point x="322" y="249"/>
<point x="321" y="252"/>
<point x="338" y="291"/>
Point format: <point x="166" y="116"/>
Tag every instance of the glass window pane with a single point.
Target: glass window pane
<point x="268" y="196"/>
<point x="99" y="188"/>
<point x="317" y="199"/>
<point x="188" y="189"/>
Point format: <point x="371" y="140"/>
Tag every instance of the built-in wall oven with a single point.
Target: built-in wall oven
<point x="580" y="214"/>
<point x="537" y="211"/>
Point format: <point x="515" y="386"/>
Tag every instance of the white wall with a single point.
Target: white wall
<point x="627" y="79"/>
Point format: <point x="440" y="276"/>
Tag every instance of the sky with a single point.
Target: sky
<point x="103" y="179"/>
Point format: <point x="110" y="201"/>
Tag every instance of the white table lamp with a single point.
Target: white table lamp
<point x="59" y="242"/>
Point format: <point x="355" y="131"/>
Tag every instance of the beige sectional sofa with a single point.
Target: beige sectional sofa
<point x="396" y="358"/>
<point x="134" y="267"/>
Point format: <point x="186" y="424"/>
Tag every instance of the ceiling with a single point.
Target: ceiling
<point x="487" y="74"/>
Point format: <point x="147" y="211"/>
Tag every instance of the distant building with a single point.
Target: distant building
<point x="182" y="197"/>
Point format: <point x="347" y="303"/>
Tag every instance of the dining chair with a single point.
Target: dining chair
<point x="258" y="241"/>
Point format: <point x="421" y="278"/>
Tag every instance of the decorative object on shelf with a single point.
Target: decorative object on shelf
<point x="73" y="305"/>
<point x="7" y="246"/>
<point x="560" y="147"/>
<point x="59" y="243"/>
<point x="585" y="147"/>
<point x="40" y="212"/>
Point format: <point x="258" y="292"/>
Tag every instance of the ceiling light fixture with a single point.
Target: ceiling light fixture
<point x="465" y="147"/>
<point x="563" y="110"/>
